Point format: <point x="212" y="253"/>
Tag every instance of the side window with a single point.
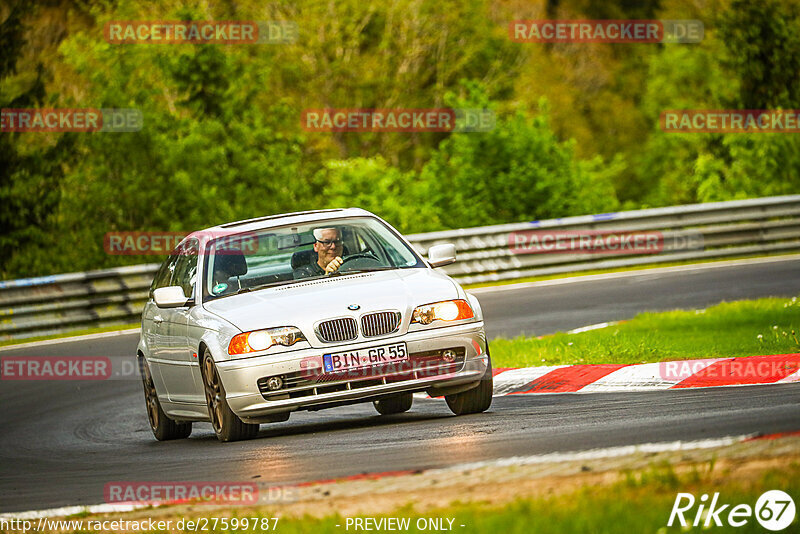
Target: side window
<point x="362" y="245"/>
<point x="186" y="267"/>
<point x="164" y="274"/>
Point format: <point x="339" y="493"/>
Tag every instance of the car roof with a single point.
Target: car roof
<point x="283" y="219"/>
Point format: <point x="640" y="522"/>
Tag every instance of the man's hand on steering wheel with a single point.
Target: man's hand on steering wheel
<point x="334" y="265"/>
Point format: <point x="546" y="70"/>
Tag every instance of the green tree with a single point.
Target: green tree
<point x="763" y="42"/>
<point x="749" y="61"/>
<point x="372" y="184"/>
<point x="516" y="172"/>
<point x="210" y="150"/>
<point x="30" y="171"/>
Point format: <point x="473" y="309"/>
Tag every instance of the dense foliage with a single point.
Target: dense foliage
<point x="577" y="125"/>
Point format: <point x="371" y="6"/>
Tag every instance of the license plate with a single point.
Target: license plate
<point x="358" y="359"/>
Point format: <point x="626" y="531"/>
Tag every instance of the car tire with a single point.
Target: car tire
<point x="163" y="427"/>
<point x="227" y="425"/>
<point x="477" y="399"/>
<point x="396" y="404"/>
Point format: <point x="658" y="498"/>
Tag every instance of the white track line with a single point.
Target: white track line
<point x="72" y="510"/>
<point x="56" y="341"/>
<point x="597" y="326"/>
<point x="597" y="454"/>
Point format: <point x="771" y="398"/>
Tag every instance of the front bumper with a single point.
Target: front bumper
<point x="318" y="390"/>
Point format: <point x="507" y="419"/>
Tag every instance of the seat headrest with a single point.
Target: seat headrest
<point x="232" y="262"/>
<point x="303" y="257"/>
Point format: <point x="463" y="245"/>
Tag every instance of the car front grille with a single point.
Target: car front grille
<point x="343" y="329"/>
<point x="380" y="323"/>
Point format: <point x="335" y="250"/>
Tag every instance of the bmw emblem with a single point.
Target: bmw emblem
<point x="353" y="307"/>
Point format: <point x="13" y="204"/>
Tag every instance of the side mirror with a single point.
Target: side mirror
<point x="170" y="297"/>
<point x="440" y="255"/>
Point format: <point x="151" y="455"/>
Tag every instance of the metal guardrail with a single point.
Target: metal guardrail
<point x="65" y="302"/>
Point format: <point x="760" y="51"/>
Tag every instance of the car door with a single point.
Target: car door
<point x="154" y="329"/>
<point x="181" y="369"/>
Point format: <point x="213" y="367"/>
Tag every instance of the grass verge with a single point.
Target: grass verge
<point x="730" y="329"/>
<point x="640" y="503"/>
<point x="600" y="496"/>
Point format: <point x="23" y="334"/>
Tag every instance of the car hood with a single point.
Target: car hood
<point x="303" y="304"/>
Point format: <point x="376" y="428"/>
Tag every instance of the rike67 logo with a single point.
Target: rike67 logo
<point x="774" y="510"/>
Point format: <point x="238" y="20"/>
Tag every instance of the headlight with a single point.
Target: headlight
<point x="448" y="310"/>
<point x="259" y="340"/>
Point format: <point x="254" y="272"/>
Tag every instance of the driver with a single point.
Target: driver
<point x="328" y="246"/>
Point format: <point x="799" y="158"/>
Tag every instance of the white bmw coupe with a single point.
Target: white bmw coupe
<point x="250" y="321"/>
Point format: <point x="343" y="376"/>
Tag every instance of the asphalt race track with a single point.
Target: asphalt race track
<point x="63" y="441"/>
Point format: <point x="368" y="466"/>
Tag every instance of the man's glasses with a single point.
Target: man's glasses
<point x="329" y="242"/>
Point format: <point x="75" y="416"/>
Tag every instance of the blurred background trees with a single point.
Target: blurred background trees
<point x="577" y="124"/>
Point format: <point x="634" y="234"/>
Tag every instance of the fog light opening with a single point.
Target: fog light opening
<point x="275" y="382"/>
<point x="449" y="356"/>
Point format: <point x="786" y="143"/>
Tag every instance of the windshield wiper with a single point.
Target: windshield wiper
<point x="264" y="286"/>
<point x="335" y="273"/>
<point x="356" y="271"/>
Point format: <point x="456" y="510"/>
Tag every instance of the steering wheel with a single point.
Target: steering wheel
<point x="355" y="262"/>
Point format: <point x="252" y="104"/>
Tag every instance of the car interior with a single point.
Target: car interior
<point x="234" y="270"/>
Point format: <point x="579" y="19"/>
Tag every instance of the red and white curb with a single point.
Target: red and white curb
<point x="750" y="370"/>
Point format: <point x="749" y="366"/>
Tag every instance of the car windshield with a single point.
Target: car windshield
<point x="253" y="260"/>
